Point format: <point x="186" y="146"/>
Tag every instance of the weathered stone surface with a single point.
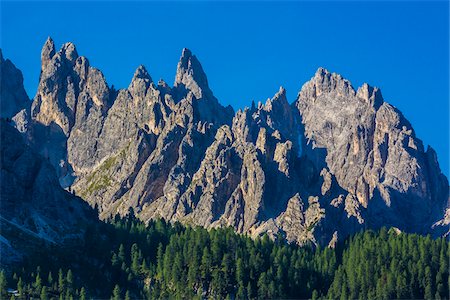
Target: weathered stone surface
<point x="13" y="97"/>
<point x="34" y="207"/>
<point x="68" y="111"/>
<point x="373" y="153"/>
<point x="176" y="153"/>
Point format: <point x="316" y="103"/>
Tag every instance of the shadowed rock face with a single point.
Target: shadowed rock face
<point x="334" y="161"/>
<point x="13" y="95"/>
<point x="34" y="208"/>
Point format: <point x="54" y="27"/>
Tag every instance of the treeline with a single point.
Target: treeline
<point x="41" y="285"/>
<point x="220" y="264"/>
<point x="126" y="259"/>
<point x="391" y="266"/>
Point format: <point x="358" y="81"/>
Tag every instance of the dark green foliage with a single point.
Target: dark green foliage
<point x="3" y="284"/>
<point x="127" y="259"/>
<point x="391" y="266"/>
<point x="231" y="264"/>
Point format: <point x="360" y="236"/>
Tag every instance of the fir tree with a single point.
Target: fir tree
<point x="116" y="293"/>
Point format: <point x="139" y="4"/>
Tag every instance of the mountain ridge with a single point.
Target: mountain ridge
<point x="333" y="161"/>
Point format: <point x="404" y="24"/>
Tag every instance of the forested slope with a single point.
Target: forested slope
<point x="127" y="259"/>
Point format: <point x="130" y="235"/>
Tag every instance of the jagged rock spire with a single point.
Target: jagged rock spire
<point x="370" y="94"/>
<point x="190" y="76"/>
<point x="140" y="83"/>
<point x="177" y="153"/>
<point x="13" y="97"/>
<point x="48" y="51"/>
<point x="326" y="81"/>
<point x="279" y="97"/>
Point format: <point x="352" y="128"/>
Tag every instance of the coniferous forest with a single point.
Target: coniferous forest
<point x="126" y="259"/>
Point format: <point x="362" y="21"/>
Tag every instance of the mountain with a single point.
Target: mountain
<point x="35" y="210"/>
<point x="13" y="95"/>
<point x="333" y="162"/>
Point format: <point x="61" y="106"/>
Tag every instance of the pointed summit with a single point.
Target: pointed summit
<point x="140" y="83"/>
<point x="48" y="51"/>
<point x="13" y="97"/>
<point x="141" y="73"/>
<point x="370" y="94"/>
<point x="278" y="99"/>
<point x="186" y="53"/>
<point x="281" y="92"/>
<point x="191" y="77"/>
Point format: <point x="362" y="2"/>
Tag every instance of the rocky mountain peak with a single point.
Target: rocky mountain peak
<point x="281" y="91"/>
<point x="325" y="82"/>
<point x="69" y="51"/>
<point x="13" y="97"/>
<point x="48" y="51"/>
<point x="371" y="95"/>
<point x="190" y="76"/>
<point x="279" y="99"/>
<point x="177" y="153"/>
<point x="141" y="82"/>
<point x="141" y="73"/>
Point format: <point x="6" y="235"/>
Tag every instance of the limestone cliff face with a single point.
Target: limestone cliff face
<point x="69" y="108"/>
<point x="373" y="153"/>
<point x="333" y="162"/>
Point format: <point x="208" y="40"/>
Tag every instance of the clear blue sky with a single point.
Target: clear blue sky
<point x="249" y="49"/>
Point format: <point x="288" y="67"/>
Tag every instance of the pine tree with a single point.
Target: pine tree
<point x="83" y="295"/>
<point x="20" y="286"/>
<point x="50" y="278"/>
<point x="44" y="294"/>
<point x="227" y="271"/>
<point x="193" y="272"/>
<point x="429" y="294"/>
<point x="114" y="260"/>
<point x="68" y="295"/>
<point x="69" y="280"/>
<point x="159" y="261"/>
<point x="217" y="284"/>
<point x="38" y="284"/>
<point x="121" y="254"/>
<point x="61" y="281"/>
<point x="135" y="258"/>
<point x="116" y="293"/>
<point x="262" y="286"/>
<point x="3" y="283"/>
<point x="206" y="265"/>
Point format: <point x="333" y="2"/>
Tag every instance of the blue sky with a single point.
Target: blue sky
<point x="249" y="49"/>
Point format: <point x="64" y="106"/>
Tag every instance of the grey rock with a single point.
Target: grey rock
<point x="13" y="97"/>
<point x="34" y="207"/>
<point x="177" y="153"/>
<point x="373" y="153"/>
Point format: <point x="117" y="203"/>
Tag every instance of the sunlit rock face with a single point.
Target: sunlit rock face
<point x="334" y="161"/>
<point x="373" y="153"/>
